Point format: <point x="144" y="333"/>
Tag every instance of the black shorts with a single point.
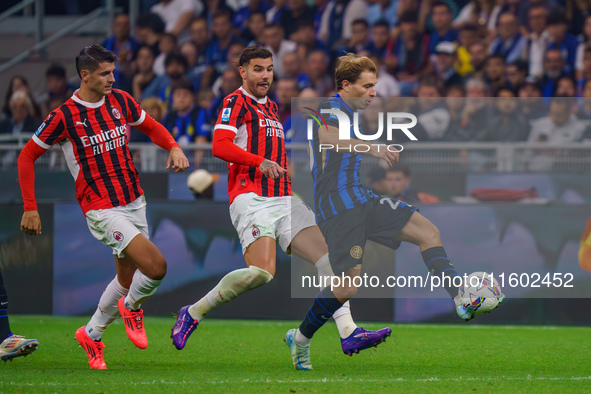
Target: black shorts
<point x="379" y="220"/>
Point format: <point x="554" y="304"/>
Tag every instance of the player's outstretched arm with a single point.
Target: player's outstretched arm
<point x="177" y="160"/>
<point x="31" y="222"/>
<point x="329" y="139"/>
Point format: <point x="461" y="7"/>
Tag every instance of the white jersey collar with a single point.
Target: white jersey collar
<point x="77" y="99"/>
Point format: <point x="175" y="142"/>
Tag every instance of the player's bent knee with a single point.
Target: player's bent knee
<point x="157" y="270"/>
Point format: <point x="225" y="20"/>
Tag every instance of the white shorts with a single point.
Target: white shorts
<point x="281" y="218"/>
<point x="116" y="227"/>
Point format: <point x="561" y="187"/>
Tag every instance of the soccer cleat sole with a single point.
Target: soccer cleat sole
<point x="22" y="352"/>
<point x="374" y="345"/>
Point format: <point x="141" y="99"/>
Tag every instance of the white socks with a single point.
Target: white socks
<point x="140" y="290"/>
<point x="231" y="286"/>
<point x="107" y="310"/>
<point x="342" y="316"/>
<point x="301" y="339"/>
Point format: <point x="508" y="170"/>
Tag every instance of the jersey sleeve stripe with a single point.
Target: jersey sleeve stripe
<point x="225" y="127"/>
<point x="40" y="143"/>
<point x="140" y="120"/>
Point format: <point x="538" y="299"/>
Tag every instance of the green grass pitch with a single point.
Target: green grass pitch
<point x="250" y="356"/>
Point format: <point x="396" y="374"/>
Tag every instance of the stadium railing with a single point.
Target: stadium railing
<point x="424" y="157"/>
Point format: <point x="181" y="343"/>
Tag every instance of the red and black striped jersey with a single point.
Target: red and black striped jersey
<point x="260" y="132"/>
<point x="93" y="139"/>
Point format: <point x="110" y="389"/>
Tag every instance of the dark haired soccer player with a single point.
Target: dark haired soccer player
<point x="249" y="136"/>
<point x="11" y="345"/>
<point x="348" y="216"/>
<point x="90" y="128"/>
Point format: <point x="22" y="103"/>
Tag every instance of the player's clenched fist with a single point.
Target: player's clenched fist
<point x="271" y="169"/>
<point x="31" y="223"/>
<point x="177" y="159"/>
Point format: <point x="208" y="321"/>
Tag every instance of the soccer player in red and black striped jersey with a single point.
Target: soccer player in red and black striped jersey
<point x="249" y="136"/>
<point x="90" y="128"/>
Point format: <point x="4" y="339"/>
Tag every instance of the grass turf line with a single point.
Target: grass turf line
<point x="250" y="356"/>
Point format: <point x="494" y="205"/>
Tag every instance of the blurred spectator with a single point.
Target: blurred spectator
<point x="307" y="42"/>
<point x="387" y="85"/>
<point x="58" y="87"/>
<point x="378" y="43"/>
<point x="275" y="11"/>
<point x="199" y="35"/>
<point x="234" y="52"/>
<point x="125" y="47"/>
<point x="337" y="21"/>
<point x="562" y="40"/>
<point x="22" y="120"/>
<point x="579" y="62"/>
<point x="286" y="89"/>
<point x="377" y="181"/>
<point x="244" y="13"/>
<point x="516" y="74"/>
<point x="576" y="12"/>
<point x="411" y="51"/>
<point x="217" y="50"/>
<point x="176" y="68"/>
<point x="398" y="180"/>
<point x="494" y="72"/>
<point x="231" y="80"/>
<point x="275" y="41"/>
<point x="507" y="124"/>
<point x="189" y="50"/>
<point x="454" y="102"/>
<point x="445" y="59"/>
<point x="187" y="122"/>
<point x="166" y="46"/>
<point x="585" y="102"/>
<point x="483" y="13"/>
<point x="178" y="14"/>
<point x="204" y="98"/>
<point x="431" y="112"/>
<point x="293" y="14"/>
<point x="383" y="10"/>
<point x="539" y="39"/>
<point x="144" y="81"/>
<point x="292" y="68"/>
<point x="478" y="53"/>
<point x="553" y="69"/>
<point x="560" y="126"/>
<point x="467" y="36"/>
<point x="475" y="115"/>
<point x="16" y="83"/>
<point x="530" y="99"/>
<point x="148" y="29"/>
<point x="566" y="87"/>
<point x="255" y="27"/>
<point x="441" y="17"/>
<point x="317" y="70"/>
<point x="510" y="43"/>
<point x="359" y="38"/>
<point x="586" y="70"/>
<point x="156" y="109"/>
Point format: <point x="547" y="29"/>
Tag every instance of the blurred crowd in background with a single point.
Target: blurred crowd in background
<point x="444" y="59"/>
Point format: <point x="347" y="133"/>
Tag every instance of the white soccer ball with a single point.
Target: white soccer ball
<point x="479" y="293"/>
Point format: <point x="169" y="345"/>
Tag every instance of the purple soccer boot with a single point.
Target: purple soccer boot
<point x="362" y="339"/>
<point x="184" y="326"/>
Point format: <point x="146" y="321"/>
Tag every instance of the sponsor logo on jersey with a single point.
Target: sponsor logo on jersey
<point x="82" y="123"/>
<point x="118" y="236"/>
<point x="356" y="252"/>
<point x="256" y="232"/>
<point x="116" y="113"/>
<point x="226" y="114"/>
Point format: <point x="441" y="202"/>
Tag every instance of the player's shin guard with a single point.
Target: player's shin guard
<point x="4" y="325"/>
<point x="107" y="310"/>
<point x="342" y="316"/>
<point x="140" y="290"/>
<point x="325" y="305"/>
<point x="231" y="286"/>
<point x="439" y="265"/>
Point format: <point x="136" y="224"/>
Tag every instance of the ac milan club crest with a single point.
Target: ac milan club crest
<point x="116" y="113"/>
<point x="118" y="236"/>
<point x="256" y="232"/>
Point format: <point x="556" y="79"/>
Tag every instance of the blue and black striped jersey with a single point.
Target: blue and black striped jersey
<point x="337" y="185"/>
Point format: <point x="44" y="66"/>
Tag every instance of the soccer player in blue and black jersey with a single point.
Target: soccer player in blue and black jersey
<point x="348" y="214"/>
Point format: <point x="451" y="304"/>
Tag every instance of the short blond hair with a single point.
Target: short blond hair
<point x="350" y="68"/>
